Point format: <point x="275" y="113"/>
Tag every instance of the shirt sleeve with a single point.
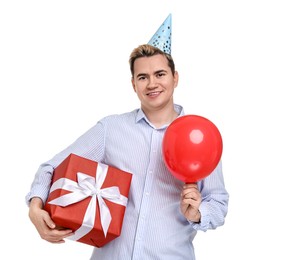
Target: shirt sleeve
<point x="90" y="145"/>
<point x="215" y="199"/>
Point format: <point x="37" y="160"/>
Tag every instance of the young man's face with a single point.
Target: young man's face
<point x="154" y="82"/>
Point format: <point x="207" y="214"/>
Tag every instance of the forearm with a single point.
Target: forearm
<point x="41" y="184"/>
<point x="214" y="205"/>
<point x="82" y="146"/>
<point x="213" y="213"/>
<point x="36" y="202"/>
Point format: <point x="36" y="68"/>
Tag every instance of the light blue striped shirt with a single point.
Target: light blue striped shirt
<point x="153" y="226"/>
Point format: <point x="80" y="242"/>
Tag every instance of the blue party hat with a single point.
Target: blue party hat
<point x="162" y="38"/>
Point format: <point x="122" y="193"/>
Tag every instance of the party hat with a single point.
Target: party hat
<point x="162" y="38"/>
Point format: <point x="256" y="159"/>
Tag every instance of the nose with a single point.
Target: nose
<point x="152" y="84"/>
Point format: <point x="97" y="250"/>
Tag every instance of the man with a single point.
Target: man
<point x="163" y="214"/>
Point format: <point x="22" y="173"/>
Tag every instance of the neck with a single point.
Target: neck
<point x="161" y="116"/>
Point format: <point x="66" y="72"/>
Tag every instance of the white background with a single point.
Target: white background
<point x="64" y="65"/>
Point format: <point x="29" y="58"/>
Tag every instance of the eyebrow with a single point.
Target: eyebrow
<point x="156" y="72"/>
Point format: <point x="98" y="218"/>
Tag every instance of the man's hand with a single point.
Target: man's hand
<point x="44" y="224"/>
<point x="190" y="202"/>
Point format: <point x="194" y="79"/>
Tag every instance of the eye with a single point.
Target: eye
<point x="160" y="74"/>
<point x="142" y="77"/>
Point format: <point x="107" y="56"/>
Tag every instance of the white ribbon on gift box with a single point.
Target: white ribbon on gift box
<point x="85" y="187"/>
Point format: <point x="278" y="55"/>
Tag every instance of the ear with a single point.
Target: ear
<point x="176" y="79"/>
<point x="133" y="84"/>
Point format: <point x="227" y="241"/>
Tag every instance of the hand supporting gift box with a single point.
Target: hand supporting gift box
<point x="98" y="190"/>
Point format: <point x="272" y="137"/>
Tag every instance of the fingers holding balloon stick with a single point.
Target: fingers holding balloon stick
<point x="191" y="195"/>
<point x="190" y="202"/>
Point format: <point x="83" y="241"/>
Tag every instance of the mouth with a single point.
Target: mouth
<point x="154" y="93"/>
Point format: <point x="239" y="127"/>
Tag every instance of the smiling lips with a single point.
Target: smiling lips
<point x="154" y="93"/>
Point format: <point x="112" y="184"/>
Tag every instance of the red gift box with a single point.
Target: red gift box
<point x="89" y="198"/>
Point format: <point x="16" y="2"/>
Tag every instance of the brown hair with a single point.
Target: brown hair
<point x="146" y="50"/>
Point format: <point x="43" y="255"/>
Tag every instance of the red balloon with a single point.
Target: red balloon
<point x="192" y="148"/>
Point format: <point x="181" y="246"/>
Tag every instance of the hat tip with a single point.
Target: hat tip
<point x="162" y="37"/>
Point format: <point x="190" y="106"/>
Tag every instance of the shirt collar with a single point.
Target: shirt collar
<point x="140" y="114"/>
